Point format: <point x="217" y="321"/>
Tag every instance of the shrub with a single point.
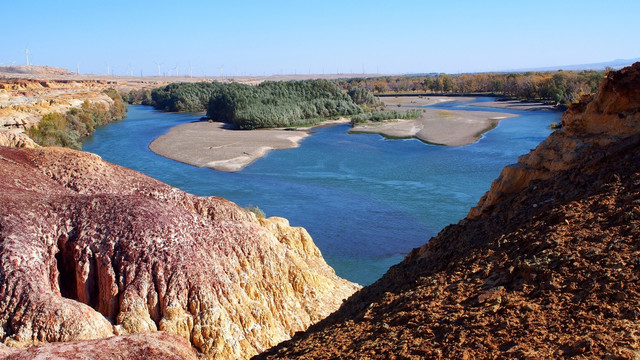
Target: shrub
<point x="385" y="115"/>
<point x="55" y="129"/>
<point x="256" y="211"/>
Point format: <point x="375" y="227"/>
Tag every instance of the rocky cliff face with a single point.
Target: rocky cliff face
<point x="23" y="101"/>
<point x="90" y="250"/>
<point x="588" y="127"/>
<point x="546" y="267"/>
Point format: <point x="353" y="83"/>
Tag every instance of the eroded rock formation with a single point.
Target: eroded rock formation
<point x="547" y="267"/>
<point x="24" y="102"/>
<point x="89" y="250"/>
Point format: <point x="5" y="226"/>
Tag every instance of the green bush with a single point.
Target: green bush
<point x="362" y="96"/>
<point x="184" y="97"/>
<point x="256" y="211"/>
<point x="66" y="130"/>
<point x="280" y="104"/>
<point x="385" y="115"/>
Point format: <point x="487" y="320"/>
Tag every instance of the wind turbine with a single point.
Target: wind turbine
<point x="158" y="65"/>
<point x="190" y="71"/>
<point x="221" y="68"/>
<point x="26" y="51"/>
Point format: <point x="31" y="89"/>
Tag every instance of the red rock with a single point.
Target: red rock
<point x="156" y="345"/>
<point x="89" y="249"/>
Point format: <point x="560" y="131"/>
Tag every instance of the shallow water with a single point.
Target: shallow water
<point x="365" y="200"/>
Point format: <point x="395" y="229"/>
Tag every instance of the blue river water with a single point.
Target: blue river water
<point x="365" y="200"/>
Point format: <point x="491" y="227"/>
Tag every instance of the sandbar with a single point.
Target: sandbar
<point x="515" y="105"/>
<point x="435" y="126"/>
<point x="216" y="146"/>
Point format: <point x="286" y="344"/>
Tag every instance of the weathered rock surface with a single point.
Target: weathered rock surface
<point x="23" y="102"/>
<point x="16" y="139"/>
<point x="609" y="117"/>
<point x="549" y="269"/>
<point x="89" y="250"/>
<point x="152" y="345"/>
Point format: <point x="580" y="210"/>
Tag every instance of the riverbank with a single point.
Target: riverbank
<point x="419" y="101"/>
<point x="409" y="190"/>
<point x="516" y="105"/>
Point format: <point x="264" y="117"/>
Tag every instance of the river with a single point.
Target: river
<point x="365" y="200"/>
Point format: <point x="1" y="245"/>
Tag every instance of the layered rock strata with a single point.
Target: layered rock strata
<point x="90" y="250"/>
<point x="546" y="267"/>
<point x="24" y="102"/>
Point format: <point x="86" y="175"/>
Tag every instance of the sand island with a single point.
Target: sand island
<point x="220" y="147"/>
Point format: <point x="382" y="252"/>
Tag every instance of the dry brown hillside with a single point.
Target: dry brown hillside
<point x="547" y="266"/>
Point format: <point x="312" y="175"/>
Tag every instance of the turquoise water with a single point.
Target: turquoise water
<point x="365" y="200"/>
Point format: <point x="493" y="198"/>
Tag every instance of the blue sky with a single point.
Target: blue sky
<point x="275" y="37"/>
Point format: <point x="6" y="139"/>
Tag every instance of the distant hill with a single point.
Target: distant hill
<point x="616" y="64"/>
<point x="34" y="70"/>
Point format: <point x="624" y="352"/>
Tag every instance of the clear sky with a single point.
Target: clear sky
<point x="348" y="36"/>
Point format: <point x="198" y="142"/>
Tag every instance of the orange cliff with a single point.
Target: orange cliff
<point x="29" y="92"/>
<point x="546" y="267"/>
<point x="609" y="117"/>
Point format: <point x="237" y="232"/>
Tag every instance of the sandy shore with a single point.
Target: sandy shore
<point x="216" y="146"/>
<point x="219" y="147"/>
<point x="515" y="105"/>
<point x="435" y="126"/>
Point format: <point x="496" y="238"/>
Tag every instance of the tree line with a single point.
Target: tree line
<point x="269" y="104"/>
<point x="560" y="87"/>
